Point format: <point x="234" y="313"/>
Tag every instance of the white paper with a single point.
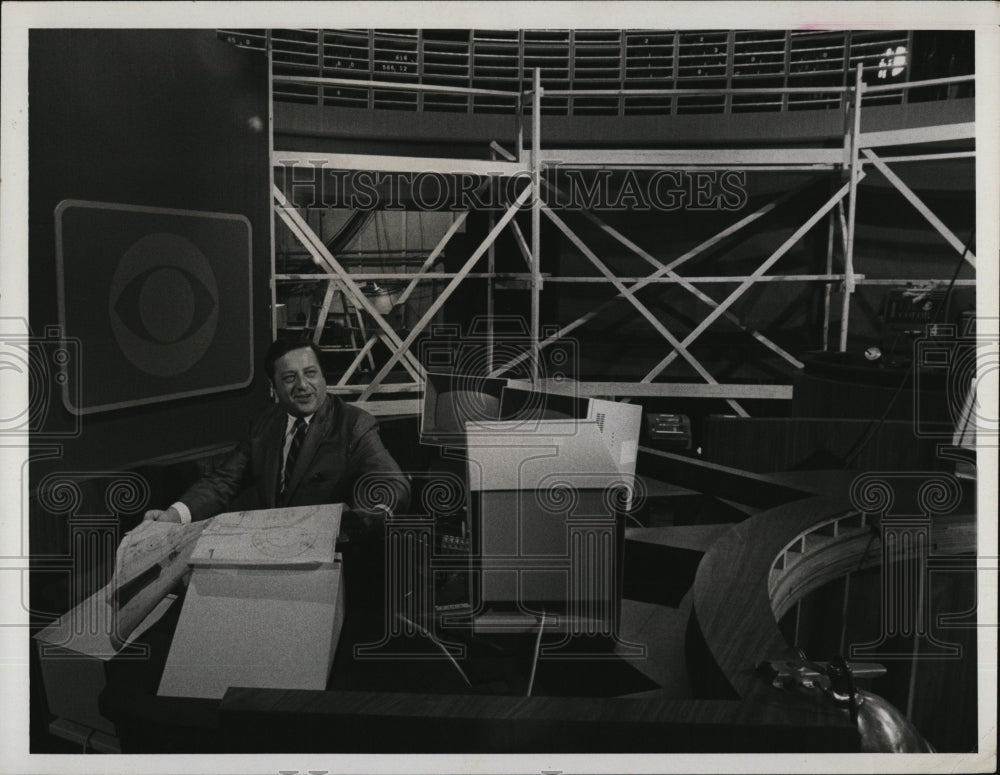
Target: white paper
<point x="304" y="535"/>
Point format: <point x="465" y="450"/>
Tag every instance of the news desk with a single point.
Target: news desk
<point x="598" y="703"/>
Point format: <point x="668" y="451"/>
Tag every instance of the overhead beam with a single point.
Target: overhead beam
<point x="923" y="134"/>
<point x="668" y="157"/>
<point x="312" y="80"/>
<point x="728" y="158"/>
<point x="733" y="158"/>
<point x="383" y="163"/>
<point x="404" y="406"/>
<point x="923" y="209"/>
<point x="390" y="387"/>
<point x="402" y="276"/>
<point x="659" y="389"/>
<point x="549" y="278"/>
<point x="729" y="279"/>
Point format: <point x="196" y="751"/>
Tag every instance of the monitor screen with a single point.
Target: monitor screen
<point x="453" y="400"/>
<point x="521" y="404"/>
<point x="619" y="423"/>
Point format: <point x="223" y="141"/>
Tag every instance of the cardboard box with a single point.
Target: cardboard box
<point x="544" y="531"/>
<point x="256" y="627"/>
<point x="264" y="607"/>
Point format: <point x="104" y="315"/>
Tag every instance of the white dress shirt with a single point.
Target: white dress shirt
<point x="185" y="512"/>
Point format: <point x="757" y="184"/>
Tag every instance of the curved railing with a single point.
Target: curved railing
<point x="763" y="566"/>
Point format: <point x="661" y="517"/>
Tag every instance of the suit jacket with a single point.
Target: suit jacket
<point x="342" y="460"/>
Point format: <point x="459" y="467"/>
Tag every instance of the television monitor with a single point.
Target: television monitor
<point x="619" y="423"/>
<point x="529" y="405"/>
<point x="453" y="401"/>
<point x="530" y="558"/>
<point x="528" y="489"/>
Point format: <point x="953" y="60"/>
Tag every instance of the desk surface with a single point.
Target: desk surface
<point x="390" y="722"/>
<point x="601" y="704"/>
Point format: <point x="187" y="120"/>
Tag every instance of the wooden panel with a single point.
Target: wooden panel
<point x="786" y="443"/>
<point x="399" y="723"/>
<point x="732" y="605"/>
<point x="721" y="481"/>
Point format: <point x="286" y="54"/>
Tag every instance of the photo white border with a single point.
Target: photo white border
<point x="18" y="18"/>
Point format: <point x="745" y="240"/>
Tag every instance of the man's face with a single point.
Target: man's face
<point x="299" y="382"/>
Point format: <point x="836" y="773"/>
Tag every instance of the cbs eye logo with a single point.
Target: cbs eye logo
<point x="163" y="304"/>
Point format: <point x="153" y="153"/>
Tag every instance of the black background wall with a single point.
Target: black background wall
<point x="152" y="118"/>
<point x="158" y="118"/>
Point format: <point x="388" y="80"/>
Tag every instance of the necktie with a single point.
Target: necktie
<point x="299" y="434"/>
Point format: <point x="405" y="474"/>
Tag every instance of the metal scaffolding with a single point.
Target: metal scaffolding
<point x="861" y="151"/>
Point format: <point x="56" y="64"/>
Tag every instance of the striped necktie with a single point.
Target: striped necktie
<point x="299" y="434"/>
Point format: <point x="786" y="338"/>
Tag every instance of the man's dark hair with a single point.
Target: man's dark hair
<point x="281" y="347"/>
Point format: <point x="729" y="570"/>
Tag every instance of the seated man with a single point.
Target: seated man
<point x="307" y="449"/>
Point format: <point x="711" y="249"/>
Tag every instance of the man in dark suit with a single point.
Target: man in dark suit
<point x="309" y="448"/>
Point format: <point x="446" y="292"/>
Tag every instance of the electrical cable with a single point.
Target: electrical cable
<point x="440" y="645"/>
<point x="534" y="659"/>
<point x="868" y="546"/>
<point x="634" y="519"/>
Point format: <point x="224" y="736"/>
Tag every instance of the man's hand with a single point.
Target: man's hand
<point x="363" y="524"/>
<point x="170" y="515"/>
